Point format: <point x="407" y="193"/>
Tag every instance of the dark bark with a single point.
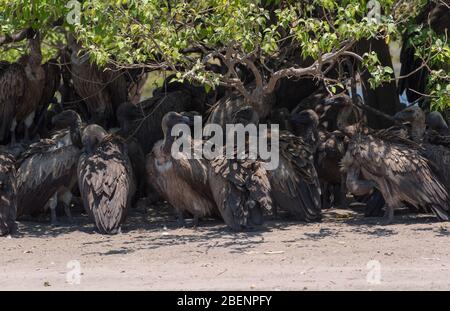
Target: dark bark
<point x="385" y="97"/>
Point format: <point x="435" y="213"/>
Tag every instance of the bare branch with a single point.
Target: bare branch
<point x="313" y="70"/>
<point x="19" y="36"/>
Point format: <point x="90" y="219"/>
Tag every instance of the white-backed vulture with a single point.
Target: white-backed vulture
<point x="21" y="87"/>
<point x="8" y="193"/>
<point x="143" y="120"/>
<point x="388" y="161"/>
<point x="435" y="121"/>
<point x="436" y="15"/>
<point x="102" y="90"/>
<point x="182" y="181"/>
<point x="34" y="86"/>
<point x="105" y="179"/>
<point x="241" y="190"/>
<point x="294" y="183"/>
<point x="12" y="88"/>
<point x="51" y="86"/>
<point x="47" y="171"/>
<point x="435" y="147"/>
<point x="225" y="110"/>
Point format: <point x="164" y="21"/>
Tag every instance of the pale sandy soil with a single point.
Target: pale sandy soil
<point x="152" y="253"/>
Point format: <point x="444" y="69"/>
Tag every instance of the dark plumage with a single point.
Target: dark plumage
<point x="183" y="182"/>
<point x="241" y="190"/>
<point x="102" y="89"/>
<point x="294" y="183"/>
<point x="8" y="193"/>
<point x="143" y="120"/>
<point x="47" y="170"/>
<point x="396" y="166"/>
<point x="105" y="179"/>
<point x="435" y="147"/>
<point x="398" y="169"/>
<point x="12" y="88"/>
<point x="436" y="14"/>
<point x="21" y="87"/>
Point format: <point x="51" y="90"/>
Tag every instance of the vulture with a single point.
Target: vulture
<point x="137" y="158"/>
<point x="143" y="121"/>
<point x="435" y="147"/>
<point x="436" y="15"/>
<point x="329" y="153"/>
<point x="294" y="183"/>
<point x="47" y="170"/>
<point x="21" y="87"/>
<point x="388" y="161"/>
<point x="105" y="179"/>
<point x="435" y="121"/>
<point x="282" y="117"/>
<point x="8" y="193"/>
<point x="51" y="86"/>
<point x="181" y="180"/>
<point x="240" y="185"/>
<point x="69" y="97"/>
<point x="102" y="91"/>
<point x="224" y="111"/>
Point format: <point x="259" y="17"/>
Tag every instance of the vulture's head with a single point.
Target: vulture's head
<point x="93" y="135"/>
<point x="171" y="119"/>
<point x="305" y="118"/>
<point x="72" y="120"/>
<point x="245" y="115"/>
<point x="304" y="122"/>
<point x="413" y="114"/>
<point x="282" y="117"/>
<point x="436" y="122"/>
<point x="67" y="118"/>
<point x="126" y="114"/>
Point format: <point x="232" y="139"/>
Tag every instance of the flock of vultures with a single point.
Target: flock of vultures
<point x="70" y="129"/>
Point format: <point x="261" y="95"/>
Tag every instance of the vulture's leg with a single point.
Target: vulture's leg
<point x="180" y="218"/>
<point x="13" y="131"/>
<point x="66" y="199"/>
<point x="325" y="197"/>
<point x="53" y="202"/>
<point x="391" y="204"/>
<point x="388" y="214"/>
<point x="28" y="123"/>
<point x="343" y="190"/>
<point x="195" y="224"/>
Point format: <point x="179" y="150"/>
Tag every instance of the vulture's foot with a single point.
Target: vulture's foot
<point x="388" y="217"/>
<point x="68" y="213"/>
<point x="180" y="219"/>
<point x="195" y="223"/>
<point x="53" y="202"/>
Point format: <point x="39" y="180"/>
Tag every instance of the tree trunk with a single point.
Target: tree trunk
<point x="384" y="97"/>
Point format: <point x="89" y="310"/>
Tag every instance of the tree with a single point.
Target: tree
<point x="264" y="36"/>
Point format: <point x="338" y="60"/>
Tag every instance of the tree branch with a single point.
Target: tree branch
<point x="19" y="36"/>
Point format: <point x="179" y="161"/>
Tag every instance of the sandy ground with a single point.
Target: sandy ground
<point x="344" y="252"/>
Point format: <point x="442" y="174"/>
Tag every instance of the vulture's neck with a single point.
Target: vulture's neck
<point x="418" y="130"/>
<point x="343" y="117"/>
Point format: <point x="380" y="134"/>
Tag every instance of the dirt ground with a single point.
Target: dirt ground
<point x="344" y="252"/>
